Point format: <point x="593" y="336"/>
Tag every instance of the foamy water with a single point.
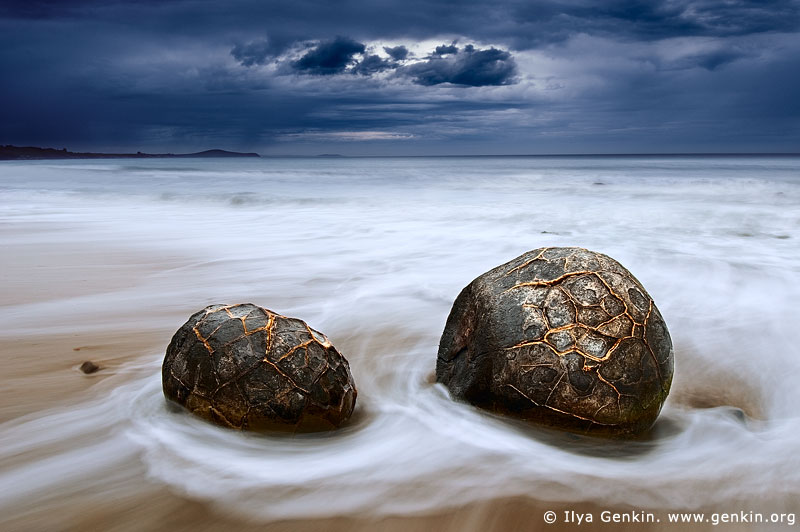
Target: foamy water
<point x="372" y="252"/>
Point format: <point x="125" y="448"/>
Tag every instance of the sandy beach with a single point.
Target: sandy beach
<point x="42" y="373"/>
<point x="110" y="278"/>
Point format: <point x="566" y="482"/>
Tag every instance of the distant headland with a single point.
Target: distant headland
<point x="9" y="152"/>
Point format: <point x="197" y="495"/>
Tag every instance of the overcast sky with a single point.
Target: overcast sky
<point x="414" y="77"/>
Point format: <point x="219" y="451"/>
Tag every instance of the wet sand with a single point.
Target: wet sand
<point x="41" y="373"/>
<point x="105" y="261"/>
<point x="40" y="365"/>
<point x="158" y="509"/>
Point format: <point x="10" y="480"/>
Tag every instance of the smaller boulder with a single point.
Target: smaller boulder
<point x="246" y="367"/>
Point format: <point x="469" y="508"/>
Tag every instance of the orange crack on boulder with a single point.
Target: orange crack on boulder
<point x="563" y="337"/>
<point x="246" y="367"/>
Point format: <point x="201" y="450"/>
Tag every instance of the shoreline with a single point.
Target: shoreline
<point x="42" y="375"/>
<point x="87" y="279"/>
<point x="158" y="508"/>
<point x="35" y="153"/>
<point x="43" y="271"/>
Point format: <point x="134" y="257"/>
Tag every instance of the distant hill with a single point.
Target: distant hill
<point x="32" y="153"/>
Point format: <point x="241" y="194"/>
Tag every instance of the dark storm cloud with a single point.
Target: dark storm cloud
<point x="535" y="24"/>
<point x="446" y="64"/>
<point x="329" y="57"/>
<point x="398" y="53"/>
<point x="519" y="24"/>
<point x="372" y="64"/>
<point x="563" y="74"/>
<point x="445" y="49"/>
<point x="714" y="59"/>
<point x="737" y="17"/>
<point x="253" y="53"/>
<point x="42" y="8"/>
<point x="474" y="68"/>
<point x="261" y="51"/>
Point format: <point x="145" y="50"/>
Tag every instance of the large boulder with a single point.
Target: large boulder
<point x="247" y="367"/>
<point x="563" y="337"/>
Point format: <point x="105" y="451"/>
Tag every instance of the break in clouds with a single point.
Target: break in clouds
<point x="466" y="66"/>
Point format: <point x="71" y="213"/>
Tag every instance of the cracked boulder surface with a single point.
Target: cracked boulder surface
<point x="246" y="367"/>
<point x="563" y="337"/>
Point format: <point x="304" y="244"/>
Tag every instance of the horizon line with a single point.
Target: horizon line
<point x="112" y="154"/>
<point x="622" y="154"/>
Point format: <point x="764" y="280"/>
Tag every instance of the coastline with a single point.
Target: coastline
<point x="42" y="271"/>
<point x="41" y="374"/>
<point x="109" y="274"/>
<point x="35" y="153"/>
<point x="156" y="508"/>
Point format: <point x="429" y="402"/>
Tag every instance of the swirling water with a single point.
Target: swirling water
<point x="372" y="252"/>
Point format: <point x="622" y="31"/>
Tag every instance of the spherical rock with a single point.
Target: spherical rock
<point x="246" y="367"/>
<point x="563" y="337"/>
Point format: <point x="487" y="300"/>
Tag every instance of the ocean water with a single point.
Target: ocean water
<point x="372" y="252"/>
